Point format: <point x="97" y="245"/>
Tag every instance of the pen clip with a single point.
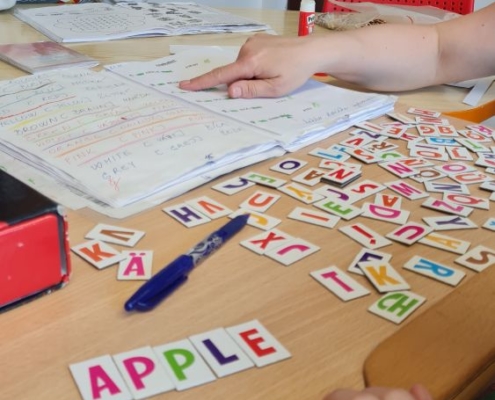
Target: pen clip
<point x="152" y="302"/>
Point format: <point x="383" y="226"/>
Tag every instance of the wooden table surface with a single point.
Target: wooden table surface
<point x="328" y="339"/>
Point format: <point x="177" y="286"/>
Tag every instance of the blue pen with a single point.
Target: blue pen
<point x="175" y="274"/>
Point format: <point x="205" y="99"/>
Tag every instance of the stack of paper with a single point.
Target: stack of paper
<point x="120" y="142"/>
<point x="99" y="22"/>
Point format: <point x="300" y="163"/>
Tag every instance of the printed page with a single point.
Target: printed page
<point x="101" y="22"/>
<point x="184" y="18"/>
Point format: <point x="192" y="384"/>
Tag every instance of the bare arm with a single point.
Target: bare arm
<point x="383" y="57"/>
<point x="401" y="57"/>
<point x="417" y="392"/>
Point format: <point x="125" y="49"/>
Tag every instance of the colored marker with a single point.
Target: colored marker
<point x="175" y="274"/>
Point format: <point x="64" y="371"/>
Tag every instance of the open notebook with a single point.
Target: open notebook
<point x="128" y="136"/>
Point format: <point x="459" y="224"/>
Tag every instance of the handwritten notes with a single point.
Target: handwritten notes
<point x="114" y="140"/>
<point x="118" y="142"/>
<point x="311" y="113"/>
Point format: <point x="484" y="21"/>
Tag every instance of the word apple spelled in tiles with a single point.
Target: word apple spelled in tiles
<point x="180" y="365"/>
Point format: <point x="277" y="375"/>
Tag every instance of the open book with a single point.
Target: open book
<point x="99" y="22"/>
<point x="128" y="134"/>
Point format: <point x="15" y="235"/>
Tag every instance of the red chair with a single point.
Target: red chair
<point x="457" y="6"/>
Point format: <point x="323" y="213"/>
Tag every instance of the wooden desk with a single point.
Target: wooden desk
<point x="329" y="339"/>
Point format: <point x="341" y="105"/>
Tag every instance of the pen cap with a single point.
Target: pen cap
<point x="307" y="6"/>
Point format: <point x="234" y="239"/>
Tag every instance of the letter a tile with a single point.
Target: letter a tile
<point x="94" y="378"/>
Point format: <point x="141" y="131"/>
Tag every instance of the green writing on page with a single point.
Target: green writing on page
<point x="179" y="360"/>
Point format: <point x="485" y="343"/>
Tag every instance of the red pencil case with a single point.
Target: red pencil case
<point x="34" y="248"/>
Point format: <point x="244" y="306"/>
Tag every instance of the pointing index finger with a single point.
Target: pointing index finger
<point x="218" y="76"/>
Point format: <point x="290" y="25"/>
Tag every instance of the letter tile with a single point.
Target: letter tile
<point x="341" y="176"/>
<point x="221" y="352"/>
<point x="115" y="234"/>
<point x="183" y="364"/>
<point x="209" y="207"/>
<point x="459" y="153"/>
<point x="97" y="253"/>
<point x="397" y="306"/>
<point x="477" y="259"/>
<point x="260" y="201"/>
<point x="365" y="236"/>
<point x="266" y="241"/>
<point x="258" y="343"/>
<point x="369" y="126"/>
<point x="445" y="242"/>
<point x="446" y="207"/>
<point x="258" y="220"/>
<point x="136" y="265"/>
<point x="364" y="156"/>
<point x="314" y="217"/>
<point x="405" y="189"/>
<point x="288" y="166"/>
<point x="386" y="214"/>
<point x="442" y="187"/>
<point x="367" y="255"/>
<point x="233" y="185"/>
<point x="388" y="200"/>
<point x="339" y="208"/>
<point x="330" y="154"/>
<point x="434" y="270"/>
<point x="489" y="224"/>
<point x="363" y="189"/>
<point x="339" y="283"/>
<point x="99" y="379"/>
<point x="309" y="177"/>
<point x="264" y="180"/>
<point x="301" y="193"/>
<point x="453" y="168"/>
<point x="383" y="276"/>
<point x="401" y="118"/>
<point x="397" y="168"/>
<point x="143" y="373"/>
<point x="186" y="215"/>
<point x="423" y="112"/>
<point x="409" y="233"/>
<point x="467" y="200"/>
<point x="427" y="174"/>
<point x="449" y="223"/>
<point x="292" y="251"/>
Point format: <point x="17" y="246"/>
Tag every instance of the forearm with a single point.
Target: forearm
<point x="381" y="57"/>
<point x="401" y="57"/>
